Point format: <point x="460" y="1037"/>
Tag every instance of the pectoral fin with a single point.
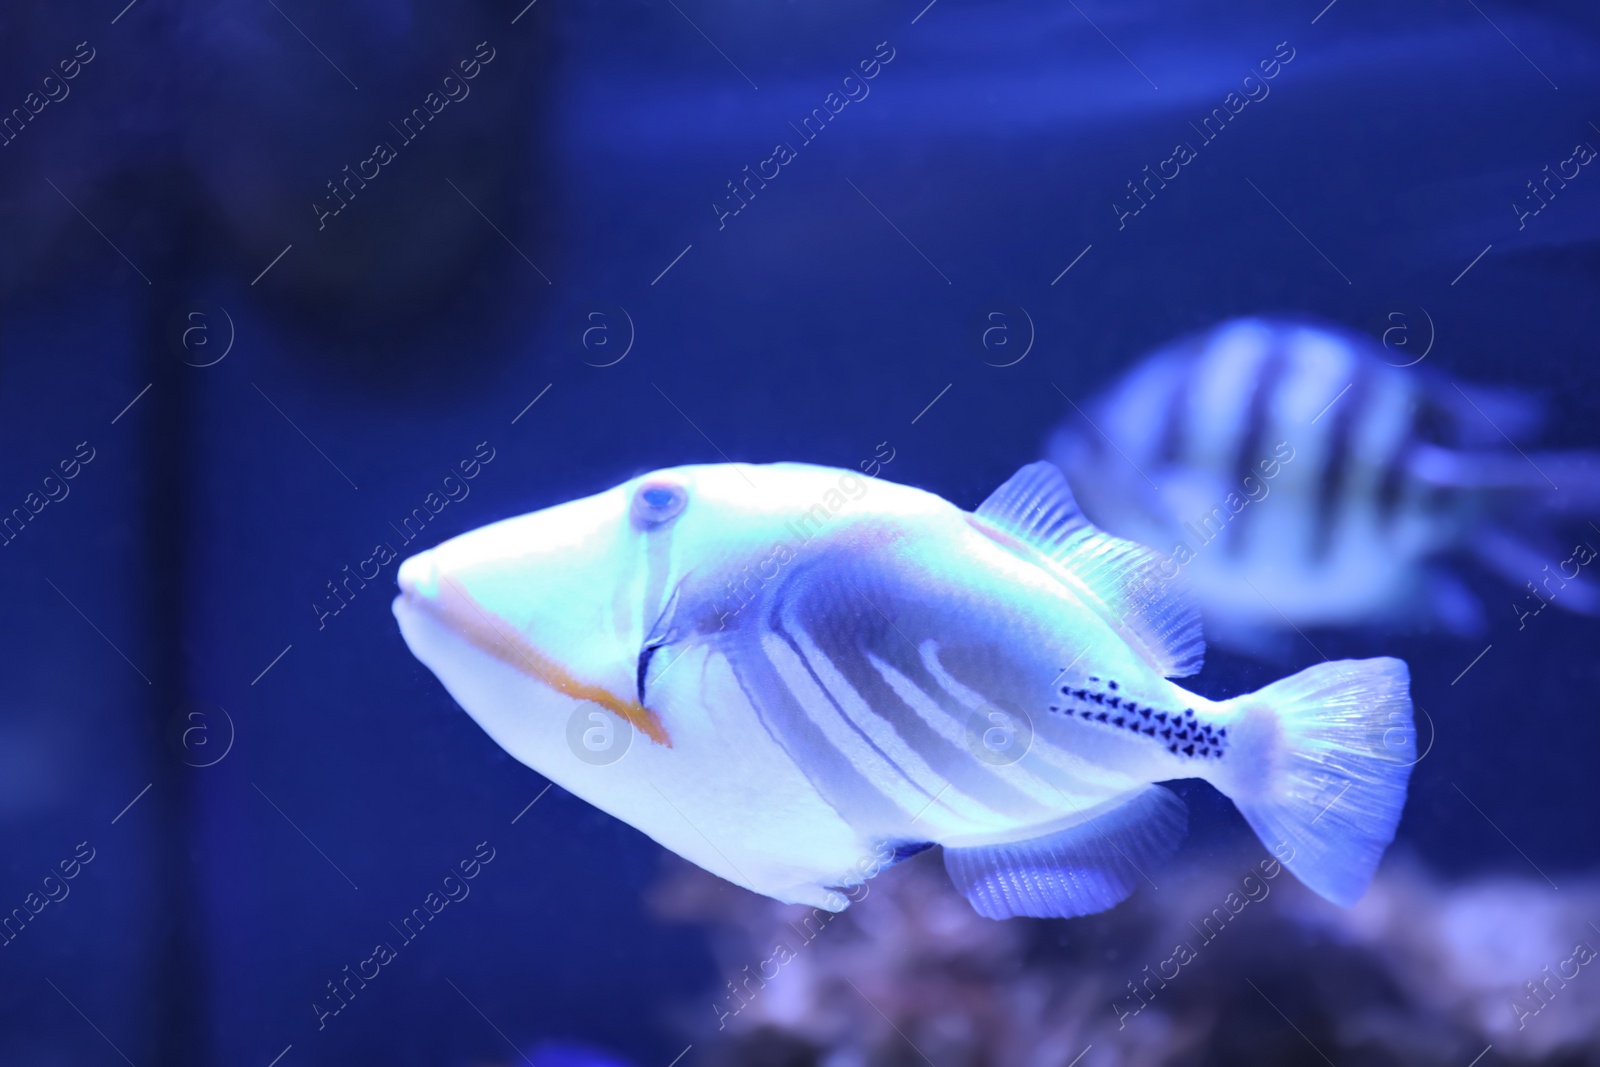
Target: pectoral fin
<point x="1083" y="869"/>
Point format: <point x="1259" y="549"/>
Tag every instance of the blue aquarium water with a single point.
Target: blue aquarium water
<point x="1301" y="298"/>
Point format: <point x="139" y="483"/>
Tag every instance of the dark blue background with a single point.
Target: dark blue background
<point x="413" y="327"/>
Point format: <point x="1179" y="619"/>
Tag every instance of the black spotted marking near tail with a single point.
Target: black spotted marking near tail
<point x="1182" y="733"/>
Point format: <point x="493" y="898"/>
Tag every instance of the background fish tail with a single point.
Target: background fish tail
<point x="1559" y="482"/>
<point x="1542" y="510"/>
<point x="1335" y="746"/>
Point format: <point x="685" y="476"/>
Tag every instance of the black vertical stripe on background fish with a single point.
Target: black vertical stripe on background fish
<point x="1392" y="484"/>
<point x="1339" y="459"/>
<point x="1175" y="425"/>
<point x="1258" y="423"/>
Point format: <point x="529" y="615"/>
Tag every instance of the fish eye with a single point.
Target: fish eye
<point x="658" y="502"/>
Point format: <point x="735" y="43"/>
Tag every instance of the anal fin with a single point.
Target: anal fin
<point x="1085" y="868"/>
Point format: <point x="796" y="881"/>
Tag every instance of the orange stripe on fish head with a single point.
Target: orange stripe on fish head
<point x="478" y="626"/>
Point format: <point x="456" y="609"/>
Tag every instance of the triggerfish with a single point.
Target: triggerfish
<point x="818" y="674"/>
<point x="1302" y="475"/>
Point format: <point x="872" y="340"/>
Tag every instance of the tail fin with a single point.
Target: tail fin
<point x="1561" y="483"/>
<point x="1337" y="746"/>
<point x="1528" y="504"/>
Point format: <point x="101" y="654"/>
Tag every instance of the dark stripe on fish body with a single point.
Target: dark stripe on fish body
<point x="1347" y="413"/>
<point x="1175" y="421"/>
<point x="1269" y="378"/>
<point x="837" y="780"/>
<point x="1392" y="483"/>
<point x="845" y="653"/>
<point x="840" y="784"/>
<point x="1442" y="499"/>
<point x="1436" y="423"/>
<point x="775" y="623"/>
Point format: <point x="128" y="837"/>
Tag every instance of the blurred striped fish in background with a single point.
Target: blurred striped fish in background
<point x="1297" y="478"/>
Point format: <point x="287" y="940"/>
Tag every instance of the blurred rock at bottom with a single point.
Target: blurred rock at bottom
<point x="1233" y="963"/>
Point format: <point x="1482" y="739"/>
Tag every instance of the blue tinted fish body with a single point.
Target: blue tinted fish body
<point x="823" y="674"/>
<point x="1298" y="478"/>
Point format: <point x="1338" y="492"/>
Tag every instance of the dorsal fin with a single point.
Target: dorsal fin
<point x="1121" y="580"/>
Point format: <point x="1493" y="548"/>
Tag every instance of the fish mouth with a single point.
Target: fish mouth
<point x="427" y="589"/>
<point x="418" y="577"/>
